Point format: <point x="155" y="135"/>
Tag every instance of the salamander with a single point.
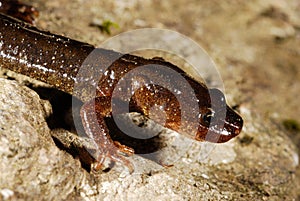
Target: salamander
<point x="148" y="86"/>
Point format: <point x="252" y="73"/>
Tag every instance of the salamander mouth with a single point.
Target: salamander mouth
<point x="223" y="130"/>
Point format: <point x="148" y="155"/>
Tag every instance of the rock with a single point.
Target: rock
<point x="31" y="165"/>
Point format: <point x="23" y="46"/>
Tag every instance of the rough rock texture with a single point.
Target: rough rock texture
<point x="31" y="165"/>
<point x="256" y="45"/>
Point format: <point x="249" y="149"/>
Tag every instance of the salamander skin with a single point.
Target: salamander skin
<point x="151" y="90"/>
<point x="19" y="10"/>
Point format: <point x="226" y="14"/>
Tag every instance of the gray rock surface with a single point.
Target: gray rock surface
<point x="31" y="165"/>
<point x="256" y="46"/>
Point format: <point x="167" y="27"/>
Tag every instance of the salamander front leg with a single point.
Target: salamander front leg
<point x="93" y="114"/>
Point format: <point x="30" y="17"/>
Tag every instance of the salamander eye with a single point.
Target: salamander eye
<point x="206" y="118"/>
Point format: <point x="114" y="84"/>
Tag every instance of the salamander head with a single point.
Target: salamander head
<point x="217" y="121"/>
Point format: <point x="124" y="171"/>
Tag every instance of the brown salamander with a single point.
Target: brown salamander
<point x="57" y="60"/>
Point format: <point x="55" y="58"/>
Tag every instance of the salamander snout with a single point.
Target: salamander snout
<point x="218" y="122"/>
<point x="233" y="124"/>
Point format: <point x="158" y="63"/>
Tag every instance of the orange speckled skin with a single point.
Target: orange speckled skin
<point x="56" y="60"/>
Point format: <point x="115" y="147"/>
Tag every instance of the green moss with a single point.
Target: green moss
<point x="106" y="26"/>
<point x="291" y="125"/>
